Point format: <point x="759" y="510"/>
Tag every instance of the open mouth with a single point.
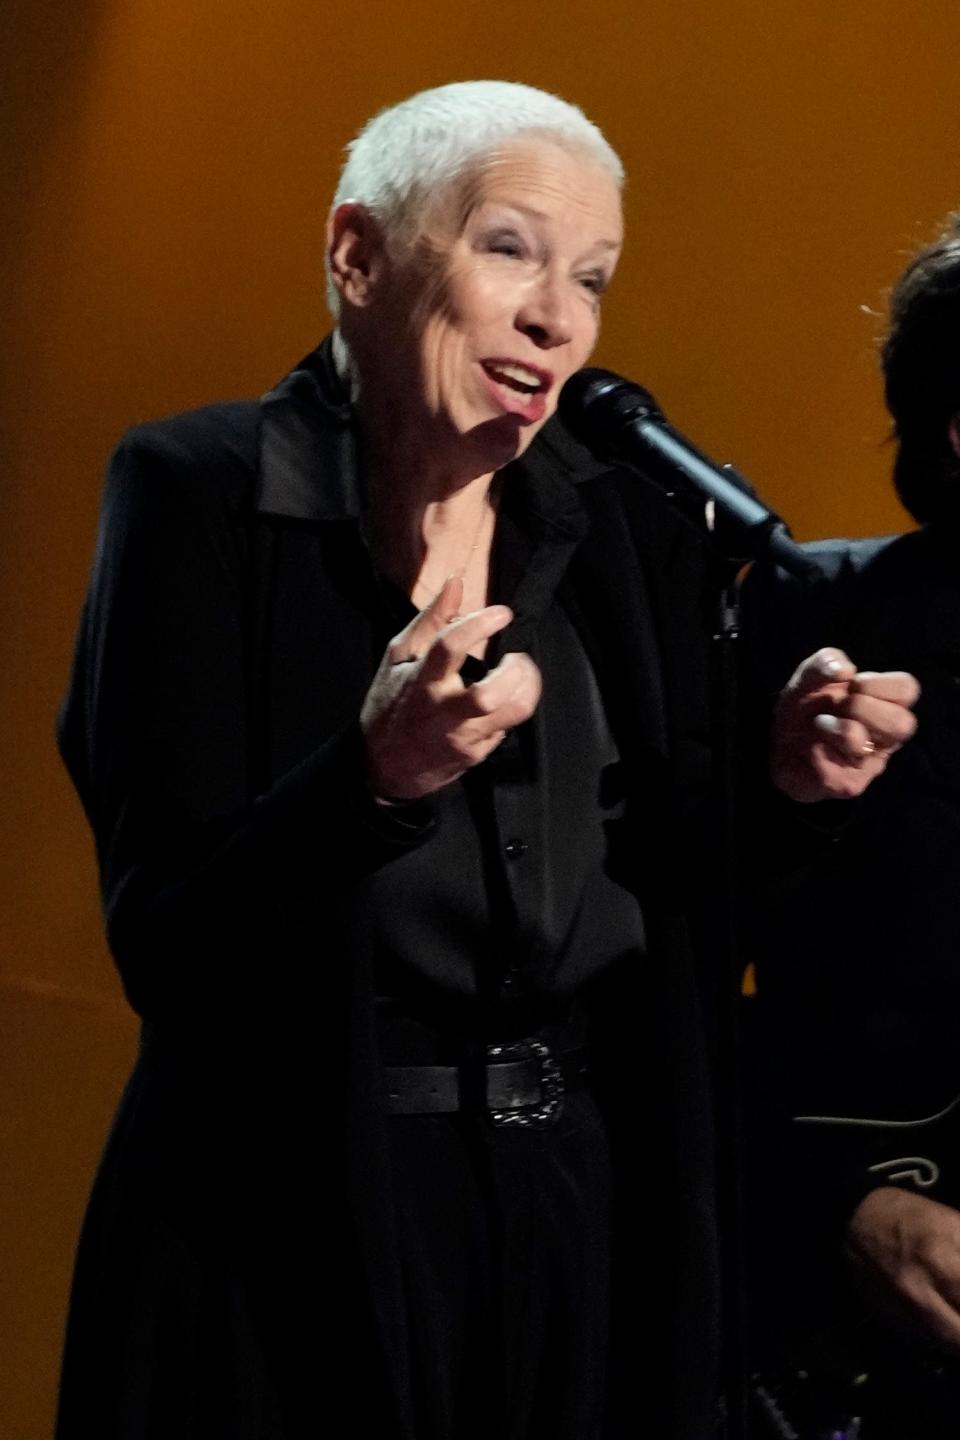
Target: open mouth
<point x="521" y="378"/>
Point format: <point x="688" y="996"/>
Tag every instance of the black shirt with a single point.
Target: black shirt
<point x="508" y="911"/>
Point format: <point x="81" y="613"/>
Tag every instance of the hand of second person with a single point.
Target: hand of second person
<point x="910" y="1244"/>
<point x="423" y="726"/>
<point x="836" y="727"/>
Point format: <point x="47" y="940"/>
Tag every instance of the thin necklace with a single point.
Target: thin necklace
<point x="488" y="508"/>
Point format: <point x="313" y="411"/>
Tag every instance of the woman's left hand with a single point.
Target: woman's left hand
<point x="835" y="727"/>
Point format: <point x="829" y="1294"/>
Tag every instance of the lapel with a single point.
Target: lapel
<point x="313" y="615"/>
<point x="607" y="592"/>
<point x="612" y="592"/>
<point x="308" y="467"/>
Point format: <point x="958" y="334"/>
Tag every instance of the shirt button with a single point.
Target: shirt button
<point x="515" y="848"/>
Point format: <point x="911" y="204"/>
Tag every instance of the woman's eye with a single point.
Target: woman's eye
<point x="595" y="283"/>
<point x="505" y="245"/>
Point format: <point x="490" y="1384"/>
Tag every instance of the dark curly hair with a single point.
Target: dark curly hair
<point x="921" y="366"/>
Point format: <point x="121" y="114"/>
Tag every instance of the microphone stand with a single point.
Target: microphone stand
<point x="727" y="974"/>
<point x="623" y="423"/>
<point x="731" y="546"/>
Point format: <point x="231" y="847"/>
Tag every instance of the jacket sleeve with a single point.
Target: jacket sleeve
<point x="198" y="873"/>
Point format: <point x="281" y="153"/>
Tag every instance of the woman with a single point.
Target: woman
<point x="403" y="1014"/>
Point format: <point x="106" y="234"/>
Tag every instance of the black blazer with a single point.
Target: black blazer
<point x="211" y="730"/>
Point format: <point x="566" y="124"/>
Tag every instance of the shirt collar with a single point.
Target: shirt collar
<point x="308" y="449"/>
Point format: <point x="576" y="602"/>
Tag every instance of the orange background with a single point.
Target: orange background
<point x="164" y="175"/>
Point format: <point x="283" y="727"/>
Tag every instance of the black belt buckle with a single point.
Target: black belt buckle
<point x="527" y="1054"/>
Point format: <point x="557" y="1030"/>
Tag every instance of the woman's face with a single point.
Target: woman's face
<point x="506" y="275"/>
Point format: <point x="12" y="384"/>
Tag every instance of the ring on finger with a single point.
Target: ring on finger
<point x="867" y="749"/>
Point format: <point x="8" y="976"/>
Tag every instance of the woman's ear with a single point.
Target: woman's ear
<point x="356" y="251"/>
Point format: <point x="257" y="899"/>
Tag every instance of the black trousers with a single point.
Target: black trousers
<point x="505" y="1243"/>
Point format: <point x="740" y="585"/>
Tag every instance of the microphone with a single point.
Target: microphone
<point x="622" y="422"/>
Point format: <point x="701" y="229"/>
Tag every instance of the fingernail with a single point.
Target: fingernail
<point x="833" y="666"/>
<point x="829" y="723"/>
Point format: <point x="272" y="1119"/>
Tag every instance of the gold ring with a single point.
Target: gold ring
<point x="867" y="749"/>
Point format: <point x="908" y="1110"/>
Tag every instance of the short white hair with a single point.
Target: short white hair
<point x="407" y="152"/>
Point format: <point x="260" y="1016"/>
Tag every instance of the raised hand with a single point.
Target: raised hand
<point x="836" y="727"/>
<point x="423" y="726"/>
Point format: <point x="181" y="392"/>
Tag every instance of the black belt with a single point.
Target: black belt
<point x="519" y="1083"/>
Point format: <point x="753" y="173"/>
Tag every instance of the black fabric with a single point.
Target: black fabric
<point x="507" y="1281"/>
<point x="242" y="1253"/>
<point x="857" y="916"/>
<point x="882" y="977"/>
<point x="523" y="912"/>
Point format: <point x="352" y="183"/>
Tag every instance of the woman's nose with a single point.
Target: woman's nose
<point x="545" y="314"/>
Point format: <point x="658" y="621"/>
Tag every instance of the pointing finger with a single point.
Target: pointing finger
<point x="414" y="639"/>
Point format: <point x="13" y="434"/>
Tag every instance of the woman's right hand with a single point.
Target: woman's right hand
<point x="423" y="726"/>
